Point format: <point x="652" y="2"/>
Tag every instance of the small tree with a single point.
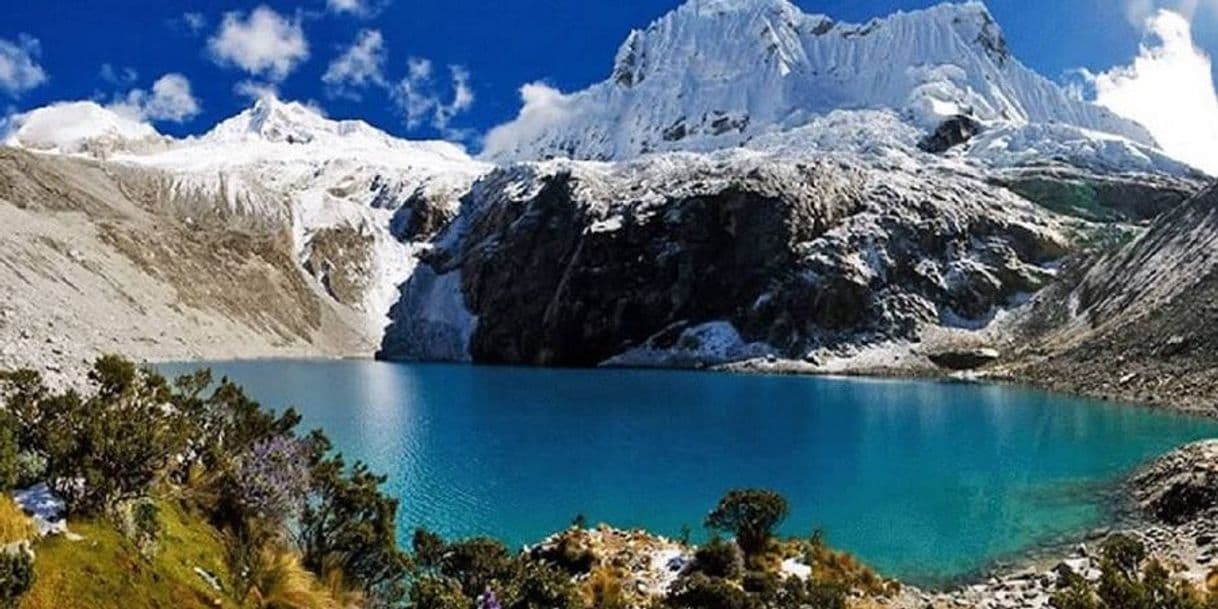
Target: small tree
<point x="114" y="445"/>
<point x="348" y="524"/>
<point x="751" y="516"/>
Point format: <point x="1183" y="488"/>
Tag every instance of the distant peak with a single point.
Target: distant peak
<point x="709" y="7"/>
<point x="275" y="120"/>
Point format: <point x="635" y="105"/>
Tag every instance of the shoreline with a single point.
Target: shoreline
<point x="989" y="586"/>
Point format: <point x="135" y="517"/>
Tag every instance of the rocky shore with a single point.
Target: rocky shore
<point x="1175" y="498"/>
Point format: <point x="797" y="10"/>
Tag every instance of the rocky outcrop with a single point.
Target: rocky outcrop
<point x="951" y="133"/>
<point x="1180" y="486"/>
<point x="964" y="359"/>
<point x="566" y="263"/>
<point x="1099" y="196"/>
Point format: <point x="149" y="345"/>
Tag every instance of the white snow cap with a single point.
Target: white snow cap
<point x="71" y="127"/>
<point x="714" y="73"/>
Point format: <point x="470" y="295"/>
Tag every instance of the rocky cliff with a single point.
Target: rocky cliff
<point x="568" y="263"/>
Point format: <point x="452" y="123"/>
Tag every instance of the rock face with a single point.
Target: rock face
<point x="567" y="263"/>
<point x="953" y="132"/>
<point x="1181" y="486"/>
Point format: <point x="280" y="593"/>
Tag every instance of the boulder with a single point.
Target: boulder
<point x="1180" y="486"/>
<point x="964" y="359"/>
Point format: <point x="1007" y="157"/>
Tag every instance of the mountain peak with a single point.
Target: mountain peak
<point x="716" y="73"/>
<point x="274" y="120"/>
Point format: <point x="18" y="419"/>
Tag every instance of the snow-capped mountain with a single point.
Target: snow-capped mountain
<point x="715" y="73"/>
<point x="356" y="201"/>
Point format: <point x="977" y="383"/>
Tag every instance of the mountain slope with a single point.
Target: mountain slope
<point x="1140" y="323"/>
<point x="715" y="73"/>
<point x="94" y="259"/>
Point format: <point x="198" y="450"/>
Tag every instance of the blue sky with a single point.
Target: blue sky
<point x="498" y="45"/>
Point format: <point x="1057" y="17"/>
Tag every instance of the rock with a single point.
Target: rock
<point x="1180" y="486"/>
<point x="950" y="133"/>
<point x="964" y="359"/>
<point x="1075" y="566"/>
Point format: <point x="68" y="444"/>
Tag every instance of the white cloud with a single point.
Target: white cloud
<point x="118" y="76"/>
<point x="358" y="67"/>
<point x="70" y="126"/>
<point x="254" y="90"/>
<point x="263" y="43"/>
<point x="195" y="22"/>
<point x="171" y="99"/>
<point x="544" y="106"/>
<point x="417" y="98"/>
<point x="19" y="69"/>
<point x="357" y="8"/>
<point x="1138" y="11"/>
<point x="1169" y="88"/>
<point x="346" y="6"/>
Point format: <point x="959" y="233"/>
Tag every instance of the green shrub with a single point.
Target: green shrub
<point x="751" y="516"/>
<point x="698" y="591"/>
<point x="10" y="462"/>
<point x="1127" y="581"/>
<point x="16" y="577"/>
<point x="350" y="525"/>
<point x="718" y="558"/>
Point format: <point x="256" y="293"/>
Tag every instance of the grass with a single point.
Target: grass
<point x="106" y="571"/>
<point x="14" y="524"/>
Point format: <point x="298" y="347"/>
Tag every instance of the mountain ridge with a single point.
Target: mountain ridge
<point x="773" y="67"/>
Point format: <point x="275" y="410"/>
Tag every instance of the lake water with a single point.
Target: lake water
<point x="923" y="480"/>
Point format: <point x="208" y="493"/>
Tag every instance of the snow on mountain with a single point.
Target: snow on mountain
<point x="75" y="127"/>
<point x="716" y="73"/>
<point x="342" y="187"/>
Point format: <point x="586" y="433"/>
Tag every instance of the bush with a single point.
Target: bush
<point x="350" y="525"/>
<point x="718" y="558"/>
<point x="698" y="591"/>
<point x="108" y="448"/>
<point x="140" y="522"/>
<point x="271" y="480"/>
<point x="751" y="516"/>
<point x="10" y="463"/>
<point x="1127" y="581"/>
<point x="16" y="577"/>
<point x="604" y="589"/>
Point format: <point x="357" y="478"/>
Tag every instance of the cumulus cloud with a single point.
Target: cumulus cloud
<point x="1169" y="88"/>
<point x="71" y="126"/>
<point x="419" y="100"/>
<point x="263" y="43"/>
<point x="359" y="66"/>
<point x="544" y="106"/>
<point x="170" y="99"/>
<point x="19" y="69"/>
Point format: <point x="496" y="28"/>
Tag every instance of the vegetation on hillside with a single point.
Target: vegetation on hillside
<point x="162" y="476"/>
<point x="1130" y="580"/>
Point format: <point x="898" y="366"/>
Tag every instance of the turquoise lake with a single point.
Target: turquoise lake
<point x="925" y="481"/>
